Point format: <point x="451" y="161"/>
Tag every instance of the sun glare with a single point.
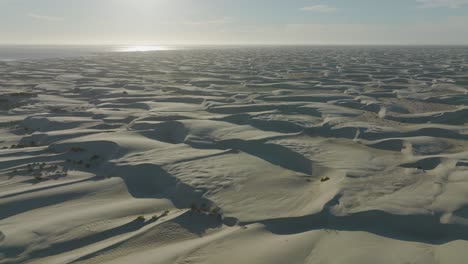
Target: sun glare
<point x="142" y="48"/>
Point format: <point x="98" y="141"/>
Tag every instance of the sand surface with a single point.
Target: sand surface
<point x="252" y="155"/>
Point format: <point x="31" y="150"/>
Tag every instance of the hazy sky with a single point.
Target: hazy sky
<point x="234" y="22"/>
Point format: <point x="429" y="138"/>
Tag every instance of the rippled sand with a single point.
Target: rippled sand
<point x="240" y="155"/>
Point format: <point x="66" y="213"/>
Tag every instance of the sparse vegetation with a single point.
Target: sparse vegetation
<point x="155" y="217"/>
<point x="23" y="145"/>
<point x="41" y="171"/>
<point x="76" y="149"/>
<point x="141" y="218"/>
<point x="165" y="213"/>
<point x="215" y="211"/>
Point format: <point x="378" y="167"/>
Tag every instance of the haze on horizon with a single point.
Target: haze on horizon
<point x="188" y="22"/>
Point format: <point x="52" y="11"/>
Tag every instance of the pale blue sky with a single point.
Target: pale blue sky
<point x="234" y="21"/>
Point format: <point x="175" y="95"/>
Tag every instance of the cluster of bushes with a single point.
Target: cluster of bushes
<point x="37" y="170"/>
<point x="37" y="166"/>
<point x="204" y="209"/>
<point x="22" y="145"/>
<point x="154" y="217"/>
<point x="87" y="164"/>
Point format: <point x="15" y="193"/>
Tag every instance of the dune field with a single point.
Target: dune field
<point x="318" y="155"/>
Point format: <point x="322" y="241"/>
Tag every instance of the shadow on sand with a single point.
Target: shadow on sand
<point x="416" y="228"/>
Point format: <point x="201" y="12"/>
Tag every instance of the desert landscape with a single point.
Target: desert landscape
<point x="340" y="155"/>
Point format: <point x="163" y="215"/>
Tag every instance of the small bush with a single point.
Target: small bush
<point x="76" y="149"/>
<point x="324" y="179"/>
<point x="141" y="218"/>
<point x="165" y="213"/>
<point x="215" y="211"/>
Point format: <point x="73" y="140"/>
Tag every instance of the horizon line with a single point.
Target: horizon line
<point x="233" y="44"/>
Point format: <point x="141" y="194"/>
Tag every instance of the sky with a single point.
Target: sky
<point x="192" y="22"/>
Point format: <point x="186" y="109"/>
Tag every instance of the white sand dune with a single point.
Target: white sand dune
<point x="253" y="155"/>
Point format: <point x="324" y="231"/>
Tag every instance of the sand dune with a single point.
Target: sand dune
<point x="253" y="155"/>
